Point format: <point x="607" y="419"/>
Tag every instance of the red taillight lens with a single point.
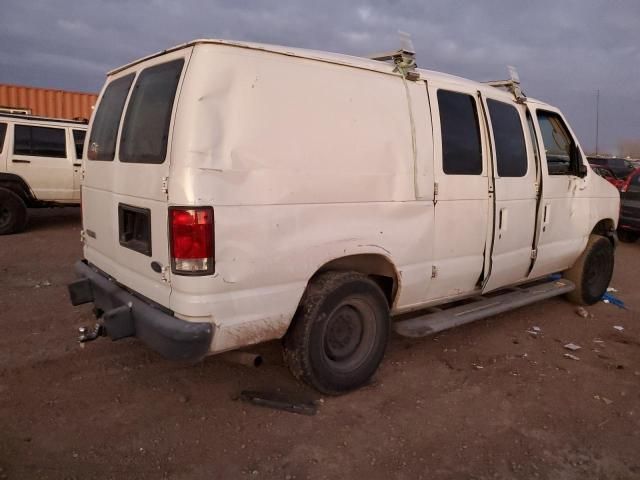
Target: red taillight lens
<point x="192" y="240"/>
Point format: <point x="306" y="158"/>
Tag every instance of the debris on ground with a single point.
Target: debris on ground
<point x="619" y="328"/>
<point x="477" y="366"/>
<point x="611" y="289"/>
<point x="597" y="340"/>
<point x="534" y="330"/>
<point x="44" y="283"/>
<point x="610" y="299"/>
<point x="582" y="312"/>
<point x="571" y="356"/>
<point x="279" y="402"/>
<point x="572" y="346"/>
<point x="604" y="399"/>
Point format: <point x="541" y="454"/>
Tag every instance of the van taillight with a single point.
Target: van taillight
<point x="192" y="240"/>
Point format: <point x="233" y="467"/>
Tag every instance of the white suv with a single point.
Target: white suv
<point x="236" y="193"/>
<point x="40" y="166"/>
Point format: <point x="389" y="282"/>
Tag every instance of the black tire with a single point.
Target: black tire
<point x="592" y="271"/>
<point x="628" y="236"/>
<point x="13" y="212"/>
<point x="339" y="333"/>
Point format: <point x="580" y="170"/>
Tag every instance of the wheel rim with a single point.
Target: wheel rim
<point x="349" y="335"/>
<point x="598" y="272"/>
<point x="5" y="216"/>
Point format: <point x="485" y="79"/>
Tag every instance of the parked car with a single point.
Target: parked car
<point x="40" y="166"/>
<point x="629" y="223"/>
<point x="620" y="167"/>
<point x="609" y="176"/>
<point x="236" y="193"/>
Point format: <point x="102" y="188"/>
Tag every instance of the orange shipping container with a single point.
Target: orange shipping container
<point x="46" y="102"/>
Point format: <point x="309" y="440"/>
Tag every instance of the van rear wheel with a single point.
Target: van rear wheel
<point x="13" y="212"/>
<point x="339" y="334"/>
<point x="592" y="271"/>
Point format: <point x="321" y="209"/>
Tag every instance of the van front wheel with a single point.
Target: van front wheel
<point x="592" y="271"/>
<point x="339" y="333"/>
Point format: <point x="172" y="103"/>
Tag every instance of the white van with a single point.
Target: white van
<point x="236" y="193"/>
<point x="40" y="166"/>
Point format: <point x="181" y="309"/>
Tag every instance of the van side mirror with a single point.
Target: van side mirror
<point x="577" y="165"/>
<point x="582" y="170"/>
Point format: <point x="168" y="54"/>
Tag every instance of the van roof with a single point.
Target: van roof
<point x="336" y="58"/>
<point x="33" y="118"/>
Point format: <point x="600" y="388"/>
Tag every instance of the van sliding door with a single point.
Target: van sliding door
<point x="462" y="190"/>
<point x="514" y="182"/>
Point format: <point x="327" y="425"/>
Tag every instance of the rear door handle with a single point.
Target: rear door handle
<point x="77" y="164"/>
<point x="17" y="160"/>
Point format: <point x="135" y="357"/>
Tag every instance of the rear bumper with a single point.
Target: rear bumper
<point x="125" y="315"/>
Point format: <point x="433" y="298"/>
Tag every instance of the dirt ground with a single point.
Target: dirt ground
<point x="487" y="400"/>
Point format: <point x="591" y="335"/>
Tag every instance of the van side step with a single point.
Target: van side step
<point x="481" y="307"/>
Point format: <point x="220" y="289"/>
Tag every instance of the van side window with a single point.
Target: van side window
<point x="511" y="153"/>
<point x="146" y="125"/>
<point x="78" y="140"/>
<point x="39" y="141"/>
<point x="461" y="151"/>
<point x="3" y="132"/>
<point x="558" y="144"/>
<point x="104" y="131"/>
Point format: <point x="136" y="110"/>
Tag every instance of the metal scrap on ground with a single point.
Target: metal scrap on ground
<point x="279" y="402"/>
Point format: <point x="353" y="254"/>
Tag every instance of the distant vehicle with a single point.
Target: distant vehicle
<point x="40" y="166"/>
<point x="629" y="223"/>
<point x="219" y="212"/>
<point x="609" y="176"/>
<point x="621" y="167"/>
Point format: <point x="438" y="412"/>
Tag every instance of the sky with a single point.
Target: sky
<point x="564" y="50"/>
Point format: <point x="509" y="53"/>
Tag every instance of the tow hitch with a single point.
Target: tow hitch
<point x="87" y="334"/>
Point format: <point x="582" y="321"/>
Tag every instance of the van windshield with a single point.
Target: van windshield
<point x="146" y="126"/>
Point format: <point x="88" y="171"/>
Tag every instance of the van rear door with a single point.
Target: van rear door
<point x="127" y="164"/>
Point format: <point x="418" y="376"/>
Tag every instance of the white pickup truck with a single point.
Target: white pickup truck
<point x="40" y="166"/>
<point x="236" y="193"/>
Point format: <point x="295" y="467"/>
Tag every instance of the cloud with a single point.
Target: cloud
<point x="564" y="51"/>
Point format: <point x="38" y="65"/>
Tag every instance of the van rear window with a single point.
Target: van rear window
<point x="104" y="131"/>
<point x="146" y="126"/>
